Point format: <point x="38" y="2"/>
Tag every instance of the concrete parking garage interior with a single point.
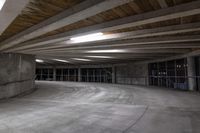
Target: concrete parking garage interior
<point x="99" y="66"/>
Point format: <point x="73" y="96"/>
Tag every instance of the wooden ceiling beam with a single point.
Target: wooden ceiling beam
<point x="79" y="12"/>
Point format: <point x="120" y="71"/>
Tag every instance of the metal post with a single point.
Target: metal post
<point x="87" y="76"/>
<point x="93" y="72"/>
<point x="113" y="74"/>
<point x="61" y="74"/>
<point x="68" y="74"/>
<point x="79" y="74"/>
<point x="54" y="74"/>
<point x="100" y="75"/>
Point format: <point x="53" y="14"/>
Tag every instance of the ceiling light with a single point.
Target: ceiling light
<point x="99" y="57"/>
<point x="80" y="59"/>
<point x="107" y="51"/>
<point x="88" y="38"/>
<point x="2" y="2"/>
<point x="61" y="60"/>
<point x="39" y="61"/>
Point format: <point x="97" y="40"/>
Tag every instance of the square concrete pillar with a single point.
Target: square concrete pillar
<point x="191" y="73"/>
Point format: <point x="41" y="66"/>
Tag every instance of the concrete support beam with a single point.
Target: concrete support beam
<point x="185" y="55"/>
<point x="79" y="12"/>
<point x="182" y="10"/>
<point x="10" y="11"/>
<point x="129" y="48"/>
<point x="191" y="73"/>
<point x="117" y="43"/>
<point x="167" y="30"/>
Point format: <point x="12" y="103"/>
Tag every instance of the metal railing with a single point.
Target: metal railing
<point x="83" y="78"/>
<point x="136" y="80"/>
<point x="179" y="82"/>
<point x="97" y="78"/>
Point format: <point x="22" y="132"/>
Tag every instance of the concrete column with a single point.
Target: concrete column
<point x="191" y="73"/>
<point x="113" y="75"/>
<point x="17" y="74"/>
<point x="54" y="74"/>
<point x="79" y="74"/>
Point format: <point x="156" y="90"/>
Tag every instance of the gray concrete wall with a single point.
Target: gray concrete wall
<point x="132" y="74"/>
<point x="17" y="74"/>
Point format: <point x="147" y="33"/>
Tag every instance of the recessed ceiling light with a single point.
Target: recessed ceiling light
<point x="39" y="61"/>
<point x="2" y="2"/>
<point x="107" y="51"/>
<point x="88" y="38"/>
<point x="81" y="59"/>
<point x="106" y="57"/>
<point x="61" y="60"/>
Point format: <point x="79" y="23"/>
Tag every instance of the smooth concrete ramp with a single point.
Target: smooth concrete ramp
<point x="67" y="107"/>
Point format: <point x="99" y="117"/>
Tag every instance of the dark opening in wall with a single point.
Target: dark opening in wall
<point x="172" y="74"/>
<point x="70" y="74"/>
<point x="103" y="75"/>
<point x="44" y="74"/>
<point x="197" y="62"/>
<point x="96" y="75"/>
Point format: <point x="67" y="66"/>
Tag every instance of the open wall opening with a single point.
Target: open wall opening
<point x="177" y="73"/>
<point x="67" y="74"/>
<point x="197" y="62"/>
<point x="44" y="74"/>
<point x="171" y="74"/>
<point x="96" y="75"/>
<point x="103" y="75"/>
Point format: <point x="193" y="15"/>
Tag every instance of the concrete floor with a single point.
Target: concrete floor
<point x="66" y="107"/>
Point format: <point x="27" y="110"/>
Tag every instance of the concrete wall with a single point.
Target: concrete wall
<point x="132" y="74"/>
<point x="17" y="74"/>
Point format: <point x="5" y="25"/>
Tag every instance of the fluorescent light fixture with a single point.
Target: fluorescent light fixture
<point x="103" y="57"/>
<point x="81" y="59"/>
<point x="92" y="37"/>
<point x="39" y="61"/>
<point x="107" y="51"/>
<point x="2" y="2"/>
<point x="88" y="38"/>
<point x="61" y="60"/>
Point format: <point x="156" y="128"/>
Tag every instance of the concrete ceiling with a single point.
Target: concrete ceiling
<point x="135" y="30"/>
